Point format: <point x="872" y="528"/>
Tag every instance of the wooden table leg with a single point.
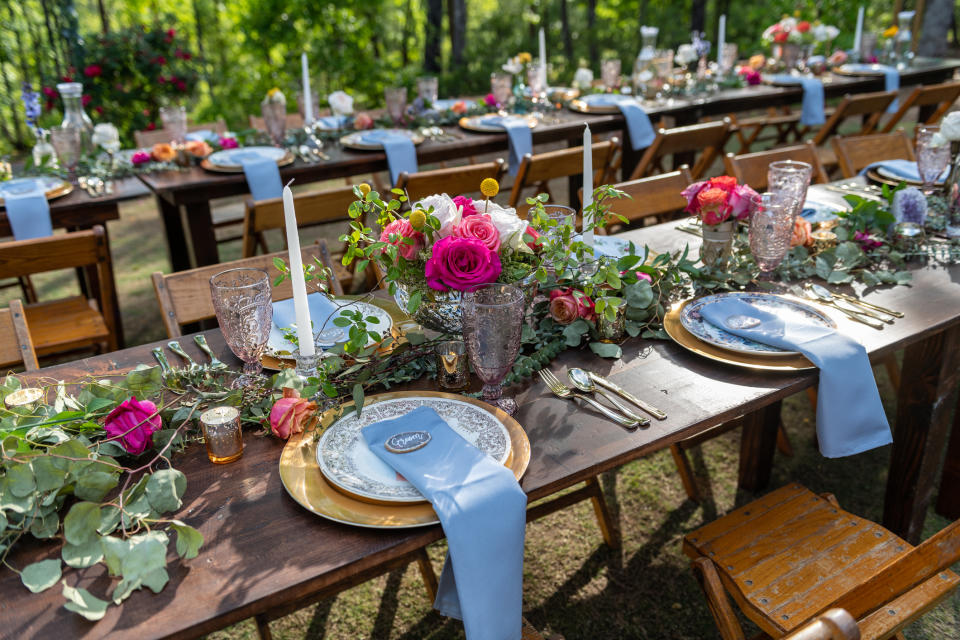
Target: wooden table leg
<point x="948" y="498"/>
<point x="176" y="238"/>
<point x="90" y="286"/>
<point x="931" y="370"/>
<point x="758" y="442"/>
<point x="202" y="235"/>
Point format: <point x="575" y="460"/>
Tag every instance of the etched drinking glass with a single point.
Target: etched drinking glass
<point x="932" y="158"/>
<point x="241" y="299"/>
<point x="175" y="122"/>
<point x="610" y="74"/>
<point x="771" y="227"/>
<point x="790" y="178"/>
<point x="67" y="142"/>
<point x="501" y="86"/>
<point x="428" y="89"/>
<point x="492" y="322"/>
<point x="396" y="100"/>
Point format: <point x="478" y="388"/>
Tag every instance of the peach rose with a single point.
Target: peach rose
<point x="291" y="413"/>
<point x="801" y="233"/>
<point x="362" y="121"/>
<point x="563" y="306"/>
<point x="459" y="107"/>
<point x="198" y="148"/>
<point x="163" y="152"/>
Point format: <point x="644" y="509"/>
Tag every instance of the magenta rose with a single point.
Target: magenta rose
<point x="140" y="157"/>
<point x="133" y="423"/>
<point x="564" y="308"/>
<point x="401" y="231"/>
<point x="868" y="242"/>
<point x="490" y="100"/>
<point x="467" y="204"/>
<point x="742" y="201"/>
<point x="462" y="264"/>
<point x="228" y="143"/>
<point x="479" y="227"/>
<point x="535" y="244"/>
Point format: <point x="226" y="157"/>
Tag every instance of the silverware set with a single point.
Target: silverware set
<point x="95" y="187"/>
<point x="310" y="155"/>
<point x="176" y="377"/>
<point x="854" y="308"/>
<point x="869" y="191"/>
<point x="587" y="384"/>
<point x="438" y="134"/>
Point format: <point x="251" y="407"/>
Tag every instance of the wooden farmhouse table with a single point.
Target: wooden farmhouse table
<point x="263" y="552"/>
<point x="183" y="197"/>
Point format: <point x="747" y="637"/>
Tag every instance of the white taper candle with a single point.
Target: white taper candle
<point x="587" y="186"/>
<point x="307" y="96"/>
<point x="304" y="329"/>
<point x="858" y="34"/>
<point x="543" y="59"/>
<point x="721" y="38"/>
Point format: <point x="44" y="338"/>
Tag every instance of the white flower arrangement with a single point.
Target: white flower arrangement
<point x="950" y="126"/>
<point x="341" y="103"/>
<point x="583" y="78"/>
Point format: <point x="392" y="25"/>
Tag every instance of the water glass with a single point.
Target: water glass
<point x="663" y="65"/>
<point x="501" y="86"/>
<point x="771" y="228"/>
<point x="275" y="120"/>
<point x="790" y="178"/>
<point x="242" y="302"/>
<point x="453" y="372"/>
<point x="175" y="122"/>
<point x="396" y="99"/>
<point x="728" y="57"/>
<point x="428" y="89"/>
<point x="492" y="323"/>
<point x="66" y="142"/>
<point x="932" y="158"/>
<point x="610" y="74"/>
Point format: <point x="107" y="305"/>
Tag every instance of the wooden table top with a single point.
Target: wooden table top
<point x="261" y="549"/>
<point x="199" y="185"/>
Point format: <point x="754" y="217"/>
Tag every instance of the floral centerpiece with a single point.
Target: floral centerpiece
<point x="719" y="203"/>
<point x="793" y="39"/>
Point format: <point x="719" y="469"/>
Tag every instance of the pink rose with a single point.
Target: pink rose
<point x="228" y="143"/>
<point x="291" y="413"/>
<point x="534" y="244"/>
<point x="742" y="201"/>
<point x="563" y="306"/>
<point x="490" y="100"/>
<point x="462" y="264"/>
<point x="92" y="71"/>
<point x="133" y="423"/>
<point x="640" y="275"/>
<point x="867" y="241"/>
<point x="140" y="157"/>
<point x="586" y="308"/>
<point x="479" y="227"/>
<point x="401" y="230"/>
<point x="691" y="193"/>
<point x="362" y="121"/>
<point x="467" y="204"/>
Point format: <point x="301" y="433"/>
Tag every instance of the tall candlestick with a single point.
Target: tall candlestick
<point x="304" y="329"/>
<point x="543" y="59"/>
<point x="721" y="38"/>
<point x="587" y="186"/>
<point x="858" y="34"/>
<point x="307" y="96"/>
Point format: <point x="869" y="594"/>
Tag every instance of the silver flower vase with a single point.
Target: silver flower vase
<point x="717" y="244"/>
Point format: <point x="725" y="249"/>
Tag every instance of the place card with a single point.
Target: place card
<point x="407" y="441"/>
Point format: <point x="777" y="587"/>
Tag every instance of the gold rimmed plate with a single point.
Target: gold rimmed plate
<point x="881" y="177"/>
<point x="303" y="480"/>
<point x="52" y="186"/>
<point x="675" y="329"/>
<point x="372" y="140"/>
<point x="231" y="160"/>
<point x="859" y="70"/>
<point x="490" y="123"/>
<point x="600" y="103"/>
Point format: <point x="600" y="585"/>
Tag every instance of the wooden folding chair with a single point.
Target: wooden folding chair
<point x="785" y="125"/>
<point x="792" y="555"/>
<point x="857" y="152"/>
<point x="537" y="170"/>
<point x="868" y="106"/>
<point x="751" y="168"/>
<point x="941" y="95"/>
<point x="835" y="624"/>
<point x="708" y="139"/>
<point x="145" y="139"/>
<point x="655" y="199"/>
<point x="294" y="121"/>
<point x="453" y="180"/>
<point x="184" y="296"/>
<point x="77" y="322"/>
<point x="16" y="345"/>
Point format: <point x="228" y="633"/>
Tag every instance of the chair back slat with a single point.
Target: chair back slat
<point x="835" y="624"/>
<point x="63" y="251"/>
<point x="856" y="152"/>
<point x="562" y="163"/>
<point x="873" y="105"/>
<point x="653" y="197"/>
<point x="146" y="139"/>
<point x="943" y="95"/>
<point x="751" y="168"/>
<point x="184" y="297"/>
<point x="16" y="344"/>
<point x="707" y="138"/>
<point x="451" y="180"/>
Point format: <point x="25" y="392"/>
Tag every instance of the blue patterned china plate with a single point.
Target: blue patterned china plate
<point x="696" y="324"/>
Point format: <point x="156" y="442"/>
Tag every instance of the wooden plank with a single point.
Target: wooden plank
<point x="948" y="498"/>
<point x="897" y="614"/>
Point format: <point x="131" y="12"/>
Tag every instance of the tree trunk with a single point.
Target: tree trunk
<point x="198" y="19"/>
<point x="592" y="35"/>
<point x="434" y="30"/>
<point x="936" y="23"/>
<point x="457" y="15"/>
<point x="405" y="34"/>
<point x="567" y="36"/>
<point x="104" y="20"/>
<point x="642" y="14"/>
<point x="698" y="15"/>
<point x="51" y="40"/>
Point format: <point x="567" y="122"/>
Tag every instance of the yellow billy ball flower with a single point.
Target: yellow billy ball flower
<point x="489" y="187"/>
<point x="364" y="189"/>
<point x="418" y="219"/>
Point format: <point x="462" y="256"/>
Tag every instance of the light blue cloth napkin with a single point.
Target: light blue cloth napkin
<point x="321" y="308"/>
<point x="850" y="416"/>
<point x="202" y="135"/>
<point x="332" y="122"/>
<point x="263" y="174"/>
<point x="906" y="169"/>
<point x="519" y="137"/>
<point x="28" y="210"/>
<point x="811" y="109"/>
<point x="400" y="150"/>
<point x="483" y="513"/>
<point x="891" y="78"/>
<point x="638" y="122"/>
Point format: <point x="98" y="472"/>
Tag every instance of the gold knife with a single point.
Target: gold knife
<point x="603" y="382"/>
<point x="868" y="305"/>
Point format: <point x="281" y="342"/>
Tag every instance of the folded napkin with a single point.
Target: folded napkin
<point x="28" y="210"/>
<point x="850" y="416"/>
<point x="483" y="513"/>
<point x="638" y="122"/>
<point x="811" y="109"/>
<point x="890" y="75"/>
<point x="321" y="308"/>
<point x="906" y="169"/>
<point x="332" y="122"/>
<point x="263" y="174"/>
<point x="202" y="135"/>
<point x="519" y="137"/>
<point x="400" y="150"/>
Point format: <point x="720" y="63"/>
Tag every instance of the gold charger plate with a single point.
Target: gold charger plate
<point x="580" y="106"/>
<point x="350" y="140"/>
<point x="844" y="70"/>
<point x="467" y="122"/>
<point x="303" y="480"/>
<point x="287" y="158"/>
<point x="65" y="188"/>
<point x="679" y="334"/>
<point x="875" y="176"/>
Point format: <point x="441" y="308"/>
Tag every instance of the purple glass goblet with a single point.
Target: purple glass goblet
<point x="492" y="322"/>
<point x="242" y="302"/>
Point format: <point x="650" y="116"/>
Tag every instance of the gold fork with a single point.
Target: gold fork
<point x="563" y="391"/>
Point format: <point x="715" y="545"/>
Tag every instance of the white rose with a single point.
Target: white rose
<point x="950" y="126"/>
<point x="105" y="135"/>
<point x="819" y="33"/>
<point x="583" y="78"/>
<point x="788" y="24"/>
<point x="513" y="65"/>
<point x="341" y="103"/>
<point x="832" y="32"/>
<point x="686" y="53"/>
<point x="937" y="140"/>
<point x="444" y="210"/>
<point x="509" y="226"/>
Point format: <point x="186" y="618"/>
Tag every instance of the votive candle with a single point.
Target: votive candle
<point x="222" y="434"/>
<point x="26" y="398"/>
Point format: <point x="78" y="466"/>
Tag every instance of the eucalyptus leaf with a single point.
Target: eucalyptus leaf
<point x="639" y="294"/>
<point x="45" y="526"/>
<point x="84" y="603"/>
<point x="94" y="485"/>
<point x="42" y="575"/>
<point x="156" y="580"/>
<point x="165" y="489"/>
<point x="84" y="555"/>
<point x="21" y="481"/>
<point x="606" y="349"/>
<point x="81" y="522"/>
<point x="146" y="554"/>
<point x="114" y="551"/>
<point x="189" y="540"/>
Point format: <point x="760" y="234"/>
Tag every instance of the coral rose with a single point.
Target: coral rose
<point x="402" y="230"/>
<point x="801" y="233"/>
<point x="563" y="306"/>
<point x="781" y="37"/>
<point x="462" y="264"/>
<point x="480" y="227"/>
<point x="163" y="152"/>
<point x="727" y="183"/>
<point x="291" y="413"/>
<point x="459" y="107"/>
<point x="133" y="423"/>
<point x="713" y="205"/>
<point x="362" y="121"/>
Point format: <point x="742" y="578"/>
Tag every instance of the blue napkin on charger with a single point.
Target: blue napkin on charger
<point x="891" y="79"/>
<point x="811" y="109"/>
<point x="28" y="210"/>
<point x="519" y="137"/>
<point x="483" y="513"/>
<point x="400" y="150"/>
<point x="906" y="169"/>
<point x="639" y="126"/>
<point x="263" y="174"/>
<point x="332" y="122"/>
<point x="322" y="310"/>
<point x="850" y="416"/>
<point x="202" y="135"/>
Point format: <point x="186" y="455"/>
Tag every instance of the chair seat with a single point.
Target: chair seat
<point x="791" y="554"/>
<point x="828" y="157"/>
<point x="61" y="325"/>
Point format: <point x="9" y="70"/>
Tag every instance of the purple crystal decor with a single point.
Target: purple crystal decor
<point x="242" y="301"/>
<point x="492" y="322"/>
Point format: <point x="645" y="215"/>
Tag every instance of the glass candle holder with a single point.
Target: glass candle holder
<point x="25" y="399"/>
<point x="612" y="330"/>
<point x="174" y="121"/>
<point x="428" y="89"/>
<point x="823" y="239"/>
<point x="453" y="372"/>
<point x="306" y="366"/>
<point x="222" y="433"/>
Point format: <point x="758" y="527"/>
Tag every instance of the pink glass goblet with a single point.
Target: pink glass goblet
<point x="492" y="323"/>
<point x="790" y="178"/>
<point x="771" y="228"/>
<point x="242" y="302"/>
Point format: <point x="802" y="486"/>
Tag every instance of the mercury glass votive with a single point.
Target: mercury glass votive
<point x="222" y="433"/>
<point x="823" y="240"/>
<point x="26" y="398"/>
<point x="612" y="330"/>
<point x="453" y="372"/>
